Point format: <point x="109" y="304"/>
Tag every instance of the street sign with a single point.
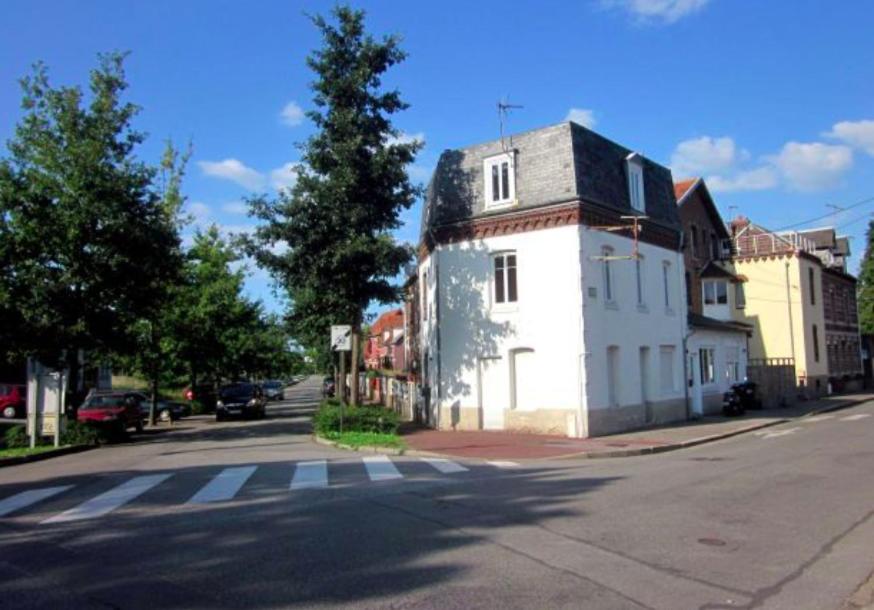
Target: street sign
<point x="341" y="338"/>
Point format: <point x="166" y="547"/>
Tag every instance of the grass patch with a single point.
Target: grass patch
<point x="373" y="439"/>
<point x="24" y="451"/>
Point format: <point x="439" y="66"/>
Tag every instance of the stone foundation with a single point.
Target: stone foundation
<point x="614" y="420"/>
<point x="541" y="421"/>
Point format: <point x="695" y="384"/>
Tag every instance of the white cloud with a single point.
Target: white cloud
<point x="235" y="207"/>
<point x="758" y="179"/>
<point x="284" y="177"/>
<point x="664" y="11"/>
<point x="406" y="138"/>
<point x="858" y="134"/>
<point x="292" y="114"/>
<point x="235" y="171"/>
<point x="199" y="211"/>
<point x="812" y="166"/>
<point x="582" y="116"/>
<point x="697" y="156"/>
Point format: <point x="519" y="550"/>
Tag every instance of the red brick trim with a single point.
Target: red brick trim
<point x="523" y="221"/>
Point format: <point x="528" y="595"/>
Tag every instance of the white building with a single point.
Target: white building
<point x="533" y="315"/>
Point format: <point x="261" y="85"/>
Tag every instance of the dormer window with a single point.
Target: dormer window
<point x="500" y="180"/>
<point x="634" y="163"/>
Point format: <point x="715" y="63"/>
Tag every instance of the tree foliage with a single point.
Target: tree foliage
<point x="85" y="235"/>
<point x="351" y="187"/>
<point x="866" y="285"/>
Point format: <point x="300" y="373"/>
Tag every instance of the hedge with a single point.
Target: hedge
<point x="355" y="419"/>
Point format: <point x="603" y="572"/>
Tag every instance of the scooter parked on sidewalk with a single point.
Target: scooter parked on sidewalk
<point x="740" y="398"/>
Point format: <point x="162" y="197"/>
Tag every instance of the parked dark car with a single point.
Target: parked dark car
<point x="114" y="412"/>
<point x="166" y="410"/>
<point x="740" y="398"/>
<point x="328" y="387"/>
<point x="273" y="389"/>
<point x="240" y="399"/>
<point x="13" y="399"/>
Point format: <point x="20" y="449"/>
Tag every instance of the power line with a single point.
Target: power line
<point x="807" y="222"/>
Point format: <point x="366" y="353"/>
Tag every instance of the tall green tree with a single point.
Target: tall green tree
<point x="352" y="186"/>
<point x="85" y="235"/>
<point x="866" y="284"/>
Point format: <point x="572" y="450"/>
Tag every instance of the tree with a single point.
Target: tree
<point x="351" y="187"/>
<point x="85" y="235"/>
<point x="154" y="358"/>
<point x="866" y="284"/>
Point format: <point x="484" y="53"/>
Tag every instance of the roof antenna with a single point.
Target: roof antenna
<point x="504" y="108"/>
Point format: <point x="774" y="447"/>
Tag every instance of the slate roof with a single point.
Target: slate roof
<point x="556" y="164"/>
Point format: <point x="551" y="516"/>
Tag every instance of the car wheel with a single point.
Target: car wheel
<point x="219" y="417"/>
<point x="164" y="415"/>
<point x="9" y="412"/>
<point x="139" y="426"/>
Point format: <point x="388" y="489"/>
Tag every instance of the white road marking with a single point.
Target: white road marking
<point x="224" y="486"/>
<point x="309" y="475"/>
<point x="856" y="417"/>
<point x="780" y="433"/>
<point x="444" y="466"/>
<point x="503" y="464"/>
<point x="380" y="468"/>
<point x="815" y="419"/>
<point x="112" y="499"/>
<point x="26" y="498"/>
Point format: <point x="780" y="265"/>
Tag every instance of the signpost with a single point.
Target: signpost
<point x="341" y="342"/>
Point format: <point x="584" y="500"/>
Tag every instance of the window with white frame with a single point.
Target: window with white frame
<point x="732" y="364"/>
<point x="640" y="280"/>
<point x="609" y="296"/>
<point x="505" y="283"/>
<point x="707" y="359"/>
<point x="500" y="180"/>
<point x="715" y="293"/>
<point x="666" y="369"/>
<point x="635" y="182"/>
<point x="740" y="299"/>
<point x="666" y="282"/>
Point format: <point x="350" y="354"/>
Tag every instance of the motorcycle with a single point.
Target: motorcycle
<point x="740" y="398"/>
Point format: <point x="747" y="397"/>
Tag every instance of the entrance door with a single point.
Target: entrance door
<point x="493" y="394"/>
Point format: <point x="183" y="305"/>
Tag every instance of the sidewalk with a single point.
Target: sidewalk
<point x="520" y="446"/>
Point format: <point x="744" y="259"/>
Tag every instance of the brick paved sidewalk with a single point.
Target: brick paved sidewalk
<point x="509" y="445"/>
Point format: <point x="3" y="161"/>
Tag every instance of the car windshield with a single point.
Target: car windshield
<point x="103" y="402"/>
<point x="241" y="390"/>
<point x="272" y="384"/>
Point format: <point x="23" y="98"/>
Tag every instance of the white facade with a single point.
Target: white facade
<point x="562" y="358"/>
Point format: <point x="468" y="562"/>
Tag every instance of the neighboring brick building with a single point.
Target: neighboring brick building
<point x="385" y="345"/>
<point x="716" y="346"/>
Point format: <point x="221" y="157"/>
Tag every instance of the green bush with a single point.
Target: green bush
<point x="16" y="437"/>
<point x="197" y="407"/>
<point x="326" y="420"/>
<point x="77" y="433"/>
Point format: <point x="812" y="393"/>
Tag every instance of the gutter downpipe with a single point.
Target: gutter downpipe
<point x="684" y="322"/>
<point x="791" y="323"/>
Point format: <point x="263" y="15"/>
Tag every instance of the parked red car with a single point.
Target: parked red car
<point x="12" y="401"/>
<point x="112" y="411"/>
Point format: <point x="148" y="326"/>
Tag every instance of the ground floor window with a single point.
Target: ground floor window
<point x="732" y="365"/>
<point x="707" y="359"/>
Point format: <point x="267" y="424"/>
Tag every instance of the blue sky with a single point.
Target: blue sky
<point x="771" y="101"/>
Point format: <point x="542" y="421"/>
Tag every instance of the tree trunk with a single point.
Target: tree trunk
<point x="153" y="407"/>
<point x="353" y="394"/>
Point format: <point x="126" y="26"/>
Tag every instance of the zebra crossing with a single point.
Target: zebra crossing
<point x="223" y="486"/>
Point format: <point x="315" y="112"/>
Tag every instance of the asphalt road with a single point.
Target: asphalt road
<point x="254" y="515"/>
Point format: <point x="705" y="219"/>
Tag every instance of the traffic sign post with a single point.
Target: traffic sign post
<point x="341" y="342"/>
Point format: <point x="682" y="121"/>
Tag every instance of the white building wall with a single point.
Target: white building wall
<point x="629" y="326"/>
<point x="481" y="342"/>
<point x="722" y="343"/>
